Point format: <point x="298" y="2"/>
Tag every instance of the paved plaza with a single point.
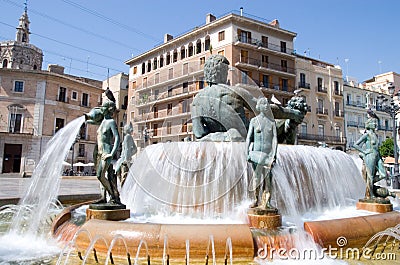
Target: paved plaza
<point x="72" y="189"/>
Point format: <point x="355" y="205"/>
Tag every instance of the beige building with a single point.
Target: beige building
<point x="358" y="99"/>
<point x="164" y="80"/>
<point x="321" y="84"/>
<point x="35" y="104"/>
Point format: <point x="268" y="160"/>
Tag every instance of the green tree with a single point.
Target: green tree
<point x="386" y="149"/>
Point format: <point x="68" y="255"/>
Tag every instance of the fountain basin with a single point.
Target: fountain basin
<point x="173" y="237"/>
<point x="356" y="230"/>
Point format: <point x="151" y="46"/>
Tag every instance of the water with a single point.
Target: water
<point x="209" y="180"/>
<point x="26" y="238"/>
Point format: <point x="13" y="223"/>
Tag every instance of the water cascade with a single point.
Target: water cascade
<point x="211" y="180"/>
<point x="36" y="206"/>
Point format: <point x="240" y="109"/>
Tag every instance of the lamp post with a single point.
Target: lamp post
<point x="392" y="108"/>
<point x="71" y="172"/>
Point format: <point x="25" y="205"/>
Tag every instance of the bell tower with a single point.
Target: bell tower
<point x="23" y="27"/>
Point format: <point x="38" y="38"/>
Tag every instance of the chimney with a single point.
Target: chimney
<point x="275" y="23"/>
<point x="55" y="68"/>
<point x="210" y="18"/>
<point x="167" y="37"/>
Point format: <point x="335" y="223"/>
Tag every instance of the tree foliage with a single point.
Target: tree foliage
<point x="386" y="149"/>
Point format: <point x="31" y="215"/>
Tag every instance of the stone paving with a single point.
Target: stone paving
<point x="72" y="189"/>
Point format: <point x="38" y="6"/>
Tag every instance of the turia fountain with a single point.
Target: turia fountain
<point x="241" y="193"/>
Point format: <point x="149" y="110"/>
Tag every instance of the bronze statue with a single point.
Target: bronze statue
<point x="107" y="143"/>
<point x="368" y="146"/>
<point x="220" y="107"/>
<point x="128" y="150"/>
<point x="261" y="145"/>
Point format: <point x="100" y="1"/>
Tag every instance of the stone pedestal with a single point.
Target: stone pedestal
<point x="105" y="211"/>
<point x="264" y="218"/>
<point x="374" y="207"/>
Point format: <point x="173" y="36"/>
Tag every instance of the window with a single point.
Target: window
<point x="337" y="109"/>
<point x="134" y="85"/>
<point x="171" y="73"/>
<point x="14" y="125"/>
<point x="221" y="53"/>
<point x="18" y="86"/>
<point x="185" y="87"/>
<point x="337" y="131"/>
<point x="169" y="109"/>
<point x="199" y="85"/>
<point x="264" y="41"/>
<point x="244" y="56"/>
<point x="155" y="112"/>
<point x="155" y="63"/>
<point x="185" y="69"/>
<point x="135" y="70"/>
<point x="198" y="46"/>
<point x="184" y="106"/>
<point x="62" y="94"/>
<point x="145" y="82"/>
<point x="284" y="65"/>
<point x="264" y="60"/>
<point x="169" y="127"/>
<point x="170" y="91"/>
<point x="221" y="35"/>
<point x="202" y="60"/>
<point x="244" y="36"/>
<point x="302" y="79"/>
<point x="74" y="95"/>
<point x="336" y="87"/>
<point x="285" y="84"/>
<point x="161" y="61"/>
<point x="207" y="43"/>
<point x="85" y="100"/>
<point x="148" y="66"/>
<point x="143" y="68"/>
<point x="5" y="63"/>
<point x="283" y="46"/>
<point x="175" y="56"/>
<point x="184" y="125"/>
<point x="319" y="83"/>
<point x="265" y="81"/>
<point x="183" y="52"/>
<point x="321" y="130"/>
<point x="59" y="124"/>
<point x="81" y="150"/>
<point x="168" y="59"/>
<point x="155" y="129"/>
<point x="190" y="51"/>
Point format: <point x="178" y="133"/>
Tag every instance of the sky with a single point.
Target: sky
<point x="91" y="38"/>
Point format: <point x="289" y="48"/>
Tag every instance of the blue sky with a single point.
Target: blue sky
<point x="88" y="36"/>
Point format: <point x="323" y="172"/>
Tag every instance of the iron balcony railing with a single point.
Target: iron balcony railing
<point x="304" y="85"/>
<point x="272" y="66"/>
<point x="322" y="138"/>
<point x="267" y="45"/>
<point x="322" y="89"/>
<point x="321" y="111"/>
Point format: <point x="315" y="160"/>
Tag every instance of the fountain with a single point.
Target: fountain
<point x="190" y="201"/>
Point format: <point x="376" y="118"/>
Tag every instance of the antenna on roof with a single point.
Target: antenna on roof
<point x="108" y="77"/>
<point x="26" y="6"/>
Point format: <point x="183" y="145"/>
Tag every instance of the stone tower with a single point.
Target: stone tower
<point x="20" y="54"/>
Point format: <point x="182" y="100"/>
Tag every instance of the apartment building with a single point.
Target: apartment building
<point x="35" y="104"/>
<point x="322" y="86"/>
<point x="358" y="99"/>
<point x="164" y="80"/>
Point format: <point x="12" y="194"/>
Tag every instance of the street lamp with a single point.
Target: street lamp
<point x="392" y="108"/>
<point x="71" y="172"/>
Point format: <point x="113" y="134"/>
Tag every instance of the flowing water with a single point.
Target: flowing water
<point x="26" y="239"/>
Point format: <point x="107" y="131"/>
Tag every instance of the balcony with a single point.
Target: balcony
<point x="266" y="45"/>
<point x="256" y="63"/>
<point x="321" y="111"/>
<point x="322" y="138"/>
<point x="339" y="113"/>
<point x="355" y="104"/>
<point x="274" y="86"/>
<point x="304" y="85"/>
<point x="338" y="93"/>
<point x="321" y="89"/>
<point x="353" y="124"/>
